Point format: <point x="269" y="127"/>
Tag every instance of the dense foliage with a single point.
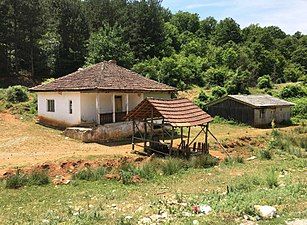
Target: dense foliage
<point x="53" y="38"/>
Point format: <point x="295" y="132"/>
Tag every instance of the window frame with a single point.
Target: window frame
<point x="50" y="105"/>
<point x="70" y="110"/>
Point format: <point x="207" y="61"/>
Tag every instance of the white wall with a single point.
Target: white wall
<point x="61" y="102"/>
<point x="88" y="107"/>
<point x="278" y="114"/>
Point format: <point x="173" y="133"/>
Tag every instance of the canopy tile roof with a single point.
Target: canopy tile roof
<point x="104" y="76"/>
<point x="256" y="101"/>
<point x="176" y="112"/>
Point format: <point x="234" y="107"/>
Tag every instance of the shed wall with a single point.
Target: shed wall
<point x="266" y="115"/>
<point x="230" y="109"/>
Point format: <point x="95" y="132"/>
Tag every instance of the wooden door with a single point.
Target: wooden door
<point x="118" y="103"/>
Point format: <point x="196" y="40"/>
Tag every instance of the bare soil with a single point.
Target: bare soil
<point x="28" y="145"/>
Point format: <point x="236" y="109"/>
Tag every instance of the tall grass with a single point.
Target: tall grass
<point x="90" y="174"/>
<point x="272" y="178"/>
<point x="38" y="178"/>
<point x="15" y="181"/>
<point x="203" y="161"/>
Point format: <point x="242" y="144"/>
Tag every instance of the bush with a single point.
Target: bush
<point x="291" y="91"/>
<point x="17" y="94"/>
<point x="173" y="165"/>
<point x="233" y="160"/>
<point x="127" y="172"/>
<point x="293" y="72"/>
<point x="265" y="154"/>
<point x="203" y="96"/>
<point x="299" y="110"/>
<point x="90" y="174"/>
<point x="245" y="183"/>
<point x="218" y="92"/>
<point x="16" y="181"/>
<point x="39" y="178"/>
<point x="272" y="178"/>
<point x="149" y="170"/>
<point x="264" y="82"/>
<point x="203" y="161"/>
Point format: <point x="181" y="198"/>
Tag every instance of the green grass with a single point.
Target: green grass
<point x="109" y="202"/>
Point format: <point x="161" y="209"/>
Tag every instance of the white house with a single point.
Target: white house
<point x="102" y="93"/>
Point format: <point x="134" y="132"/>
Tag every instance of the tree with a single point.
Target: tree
<point x="218" y="92"/>
<point x="293" y="72"/>
<point x="186" y="21"/>
<point x="227" y="30"/>
<point x="216" y="76"/>
<point x="238" y="84"/>
<point x="207" y="27"/>
<point x="73" y="29"/>
<point x="300" y="57"/>
<point x="265" y="82"/>
<point x="108" y="44"/>
<point x="144" y="28"/>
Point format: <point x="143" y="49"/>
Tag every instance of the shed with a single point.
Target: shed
<point x="169" y="114"/>
<point x="255" y="110"/>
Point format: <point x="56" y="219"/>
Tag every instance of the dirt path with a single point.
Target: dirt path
<point x="27" y="143"/>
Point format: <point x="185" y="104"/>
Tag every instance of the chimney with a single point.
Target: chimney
<point x="113" y="61"/>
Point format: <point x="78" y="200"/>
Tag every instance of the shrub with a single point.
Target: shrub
<point x="17" y="94"/>
<point x="233" y="160"/>
<point x="203" y="96"/>
<point x="39" y="178"/>
<point x="90" y="174"/>
<point x="264" y="82"/>
<point x="16" y="181"/>
<point x="173" y="165"/>
<point x="127" y="172"/>
<point x="293" y="72"/>
<point x="149" y="170"/>
<point x="300" y="108"/>
<point x="245" y="183"/>
<point x="291" y="91"/>
<point x="265" y="154"/>
<point x="203" y="161"/>
<point x="272" y="178"/>
<point x="218" y="92"/>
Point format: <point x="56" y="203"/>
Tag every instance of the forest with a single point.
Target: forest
<point x="40" y="39"/>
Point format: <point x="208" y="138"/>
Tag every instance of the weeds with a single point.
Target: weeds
<point x="39" y="178"/>
<point x="203" y="161"/>
<point x="234" y="160"/>
<point x="128" y="172"/>
<point x="90" y="174"/>
<point x="265" y="154"/>
<point x="272" y="178"/>
<point x="15" y="181"/>
<point x="173" y="165"/>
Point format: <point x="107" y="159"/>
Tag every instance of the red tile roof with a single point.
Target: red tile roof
<point x="104" y="76"/>
<point x="176" y="112"/>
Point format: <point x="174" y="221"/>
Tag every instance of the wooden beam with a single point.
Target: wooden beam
<point x="113" y="107"/>
<point x="206" y="138"/>
<point x="97" y="109"/>
<point x="172" y="141"/>
<point x="219" y="143"/>
<point x="133" y="135"/>
<point x="127" y="101"/>
<point x="145" y="133"/>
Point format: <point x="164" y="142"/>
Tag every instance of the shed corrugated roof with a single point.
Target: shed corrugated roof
<point x="261" y="100"/>
<point x="104" y="76"/>
<point x="176" y="112"/>
<point x="255" y="100"/>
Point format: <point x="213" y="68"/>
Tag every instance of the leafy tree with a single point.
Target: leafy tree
<point x="73" y="29"/>
<point x="238" y="84"/>
<point x="265" y="82"/>
<point x="292" y="91"/>
<point x="186" y="21"/>
<point x="108" y="44"/>
<point x="218" y="92"/>
<point x="227" y="30"/>
<point x="207" y="27"/>
<point x="300" y="57"/>
<point x="216" y="76"/>
<point x="144" y="28"/>
<point x="293" y="72"/>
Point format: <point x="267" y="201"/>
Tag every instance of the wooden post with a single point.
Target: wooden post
<point x="172" y="140"/>
<point x="113" y="107"/>
<point x="163" y="138"/>
<point x="188" y="143"/>
<point x="145" y="133"/>
<point x="133" y="131"/>
<point x="127" y="106"/>
<point x="206" y="138"/>
<point x="151" y="126"/>
<point x="97" y="109"/>
<point x="181" y="134"/>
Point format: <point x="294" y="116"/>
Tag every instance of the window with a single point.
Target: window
<point x="262" y="113"/>
<point x="50" y="105"/>
<point x="70" y="106"/>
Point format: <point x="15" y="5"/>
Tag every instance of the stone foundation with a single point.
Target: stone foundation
<point x="102" y="133"/>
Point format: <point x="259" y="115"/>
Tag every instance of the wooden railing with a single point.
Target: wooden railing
<point x="108" y="117"/>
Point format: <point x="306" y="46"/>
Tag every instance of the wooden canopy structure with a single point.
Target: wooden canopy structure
<point x="156" y="121"/>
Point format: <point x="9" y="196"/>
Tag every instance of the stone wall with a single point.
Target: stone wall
<point x="102" y="133"/>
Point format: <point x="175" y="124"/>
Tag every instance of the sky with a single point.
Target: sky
<point x="289" y="15"/>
